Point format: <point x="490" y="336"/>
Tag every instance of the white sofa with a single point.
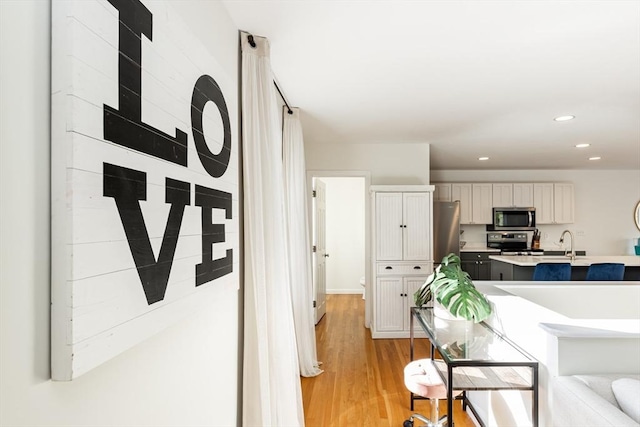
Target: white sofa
<point x="590" y="401"/>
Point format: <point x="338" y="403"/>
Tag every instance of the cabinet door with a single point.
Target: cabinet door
<point x="543" y="202"/>
<point x="484" y="270"/>
<point x="470" y="267"/>
<point x="389" y="228"/>
<point x="416" y="220"/>
<point x="523" y="195"/>
<point x="462" y="192"/>
<point x="412" y="284"/>
<point x="502" y="195"/>
<point x="442" y="193"/>
<point x="563" y="203"/>
<point x="390" y="303"/>
<point x="482" y="204"/>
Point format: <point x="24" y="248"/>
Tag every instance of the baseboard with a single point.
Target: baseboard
<point x="345" y="291"/>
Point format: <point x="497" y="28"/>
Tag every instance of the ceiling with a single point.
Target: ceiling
<point x="471" y="78"/>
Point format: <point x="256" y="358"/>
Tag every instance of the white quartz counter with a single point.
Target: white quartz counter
<point x="580" y="261"/>
<point x="478" y="249"/>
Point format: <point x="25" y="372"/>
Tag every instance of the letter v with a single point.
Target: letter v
<point x="128" y="187"/>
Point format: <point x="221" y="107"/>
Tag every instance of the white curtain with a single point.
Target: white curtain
<point x="300" y="269"/>
<point x="271" y="377"/>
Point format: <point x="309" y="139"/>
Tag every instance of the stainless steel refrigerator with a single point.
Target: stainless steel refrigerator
<point x="446" y="230"/>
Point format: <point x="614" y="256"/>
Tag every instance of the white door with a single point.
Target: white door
<point x="543" y="202"/>
<point x="523" y="195"/>
<point x="389" y="226"/>
<point x="319" y="254"/>
<point x="482" y="203"/>
<point x="503" y="195"/>
<point x="563" y="203"/>
<point x="462" y="192"/>
<point x="417" y="221"/>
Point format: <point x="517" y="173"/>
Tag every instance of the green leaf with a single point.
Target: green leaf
<point x="454" y="289"/>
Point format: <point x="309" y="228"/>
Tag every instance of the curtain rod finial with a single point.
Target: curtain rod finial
<point x="252" y="42"/>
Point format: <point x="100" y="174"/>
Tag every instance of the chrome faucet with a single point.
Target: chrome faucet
<point x="572" y="253"/>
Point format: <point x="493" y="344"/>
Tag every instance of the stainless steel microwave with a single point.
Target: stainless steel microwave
<point x="514" y="218"/>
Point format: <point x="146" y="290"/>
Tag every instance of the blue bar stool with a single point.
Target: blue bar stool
<point x="552" y="271"/>
<point x="606" y="271"/>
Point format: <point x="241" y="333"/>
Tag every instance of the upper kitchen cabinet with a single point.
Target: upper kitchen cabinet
<point x="476" y="202"/>
<point x="523" y="195"/>
<point x="442" y="193"/>
<point x="403" y="226"/>
<point x="516" y="194"/>
<point x="554" y="203"/>
<point x="503" y="195"/>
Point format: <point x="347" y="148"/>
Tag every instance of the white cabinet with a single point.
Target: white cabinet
<point x="442" y="192"/>
<point x="563" y="203"/>
<point x="462" y="192"/>
<point x="394" y="298"/>
<point x="476" y="202"/>
<point x="554" y="203"/>
<point x="516" y="194"/>
<point x="523" y="195"/>
<point x="482" y="210"/>
<point x="403" y="224"/>
<point x="503" y="195"/>
<point x="402" y="246"/>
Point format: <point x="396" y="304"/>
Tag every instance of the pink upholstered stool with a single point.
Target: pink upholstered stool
<point x="421" y="377"/>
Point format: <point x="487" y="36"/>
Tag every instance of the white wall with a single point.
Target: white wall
<point x="604" y="202"/>
<point x="345" y="222"/>
<point x="186" y="375"/>
<point x="388" y="163"/>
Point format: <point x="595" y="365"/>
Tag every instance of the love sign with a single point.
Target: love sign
<point x="144" y="178"/>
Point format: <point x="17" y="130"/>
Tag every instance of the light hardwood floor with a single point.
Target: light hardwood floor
<point x="362" y="383"/>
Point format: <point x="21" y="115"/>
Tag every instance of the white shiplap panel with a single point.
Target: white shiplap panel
<point x="99" y="307"/>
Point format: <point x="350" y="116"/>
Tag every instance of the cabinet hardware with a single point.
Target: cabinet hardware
<point x="417" y="267"/>
<point x="388" y="267"/>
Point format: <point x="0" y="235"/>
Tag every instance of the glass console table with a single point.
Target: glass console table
<point x="475" y="356"/>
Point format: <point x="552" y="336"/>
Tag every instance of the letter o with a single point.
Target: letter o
<point x="206" y="89"/>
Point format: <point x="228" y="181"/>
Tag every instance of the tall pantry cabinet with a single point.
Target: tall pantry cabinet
<point x="402" y="253"/>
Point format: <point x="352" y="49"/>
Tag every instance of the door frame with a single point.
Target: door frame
<point x="368" y="274"/>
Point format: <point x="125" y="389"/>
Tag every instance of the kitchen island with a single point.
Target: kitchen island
<point x="520" y="267"/>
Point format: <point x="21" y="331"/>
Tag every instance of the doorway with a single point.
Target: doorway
<point x="345" y="261"/>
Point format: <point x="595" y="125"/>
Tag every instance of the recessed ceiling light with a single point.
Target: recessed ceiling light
<point x="595" y="158"/>
<point x="582" y="145"/>
<point x="564" y="118"/>
<point x="483" y="158"/>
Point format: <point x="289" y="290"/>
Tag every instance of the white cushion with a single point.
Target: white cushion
<point x="627" y="393"/>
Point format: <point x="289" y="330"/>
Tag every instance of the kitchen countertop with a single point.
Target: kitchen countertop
<point x="478" y="249"/>
<point x="580" y="261"/>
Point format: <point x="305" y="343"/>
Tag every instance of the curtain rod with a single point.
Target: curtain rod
<point x="252" y="43"/>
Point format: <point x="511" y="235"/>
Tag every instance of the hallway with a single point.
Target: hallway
<point x="362" y="383"/>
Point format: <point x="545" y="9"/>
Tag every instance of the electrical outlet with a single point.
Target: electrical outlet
<point x="580" y="233"/>
<point x="545" y="236"/>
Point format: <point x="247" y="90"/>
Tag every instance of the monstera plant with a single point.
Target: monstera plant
<point x="452" y="287"/>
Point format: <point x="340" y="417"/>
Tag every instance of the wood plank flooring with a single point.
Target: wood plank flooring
<point x="362" y="383"/>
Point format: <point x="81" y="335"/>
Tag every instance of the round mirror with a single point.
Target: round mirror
<point x="636" y="215"/>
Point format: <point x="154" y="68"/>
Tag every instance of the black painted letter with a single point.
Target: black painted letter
<point x="128" y="187"/>
<point x="205" y="90"/>
<point x="124" y="125"/>
<point x="210" y="268"/>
